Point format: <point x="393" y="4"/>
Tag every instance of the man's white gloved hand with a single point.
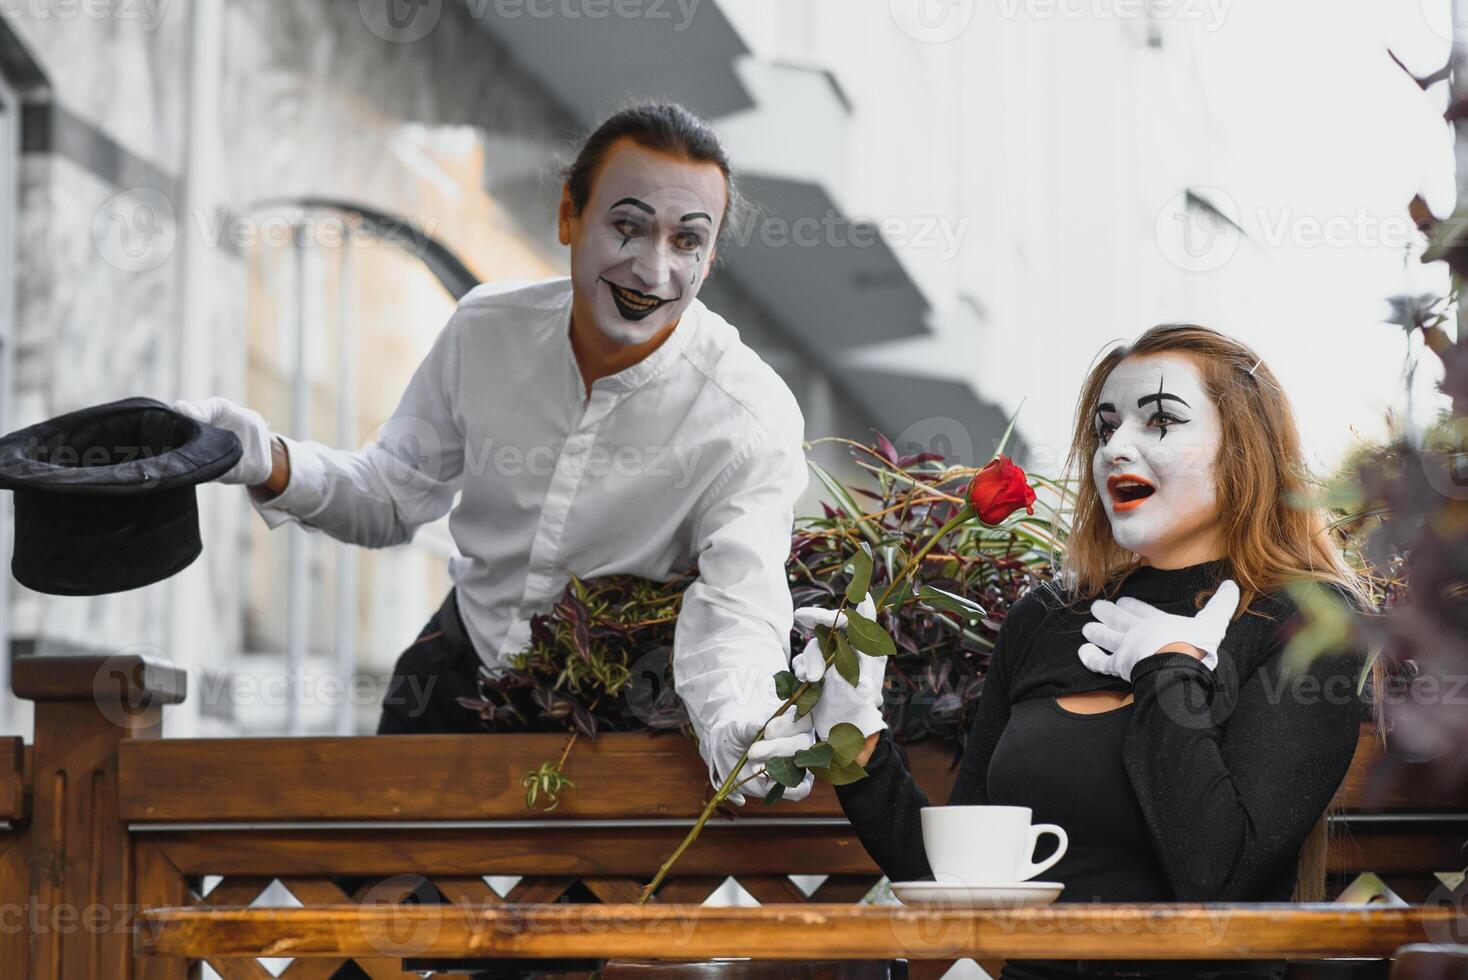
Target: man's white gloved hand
<point x="840" y="701"/>
<point x="1132" y="630"/>
<point x="249" y="427"/>
<point x="785" y="735"/>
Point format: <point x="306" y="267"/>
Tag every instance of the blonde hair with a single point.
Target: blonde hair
<point x="1279" y="537"/>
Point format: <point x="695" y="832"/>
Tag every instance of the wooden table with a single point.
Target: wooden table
<point x="687" y="932"/>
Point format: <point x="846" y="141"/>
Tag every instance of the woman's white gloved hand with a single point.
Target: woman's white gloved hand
<point x="248" y="426"/>
<point x="840" y="701"/>
<point x="1131" y="630"/>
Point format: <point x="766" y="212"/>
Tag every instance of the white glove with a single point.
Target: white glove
<point x="840" y="701"/>
<point x="249" y="427"/>
<point x="785" y="735"/>
<point x="1132" y="630"/>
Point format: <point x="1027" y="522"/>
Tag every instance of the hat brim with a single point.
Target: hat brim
<point x="126" y="447"/>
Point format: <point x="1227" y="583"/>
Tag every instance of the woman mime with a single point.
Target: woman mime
<point x="1141" y="702"/>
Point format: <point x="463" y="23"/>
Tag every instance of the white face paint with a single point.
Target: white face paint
<point x="1160" y="435"/>
<point x="643" y="243"/>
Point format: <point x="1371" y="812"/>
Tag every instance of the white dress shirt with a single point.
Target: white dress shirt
<point x="691" y="458"/>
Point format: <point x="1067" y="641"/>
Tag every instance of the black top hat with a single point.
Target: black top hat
<point x="104" y="496"/>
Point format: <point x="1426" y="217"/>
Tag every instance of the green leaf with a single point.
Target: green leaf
<point x="785" y="684"/>
<point x="868" y="637"/>
<point x="861" y="576"/>
<point x="899" y="595"/>
<point x="938" y="599"/>
<point x="846" y="741"/>
<point x="846" y="663"/>
<point x="1008" y="430"/>
<point x="784" y="771"/>
<point x="808" y="698"/>
<point x="844" y="497"/>
<point x="776" y="793"/>
<point x="817" y="756"/>
<point x="841" y="775"/>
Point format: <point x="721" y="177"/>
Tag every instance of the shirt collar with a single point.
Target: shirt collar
<point x="636" y="375"/>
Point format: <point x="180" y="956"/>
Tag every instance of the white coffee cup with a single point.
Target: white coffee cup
<point x="986" y="845"/>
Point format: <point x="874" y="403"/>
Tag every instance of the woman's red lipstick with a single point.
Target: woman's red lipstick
<point x="1128" y="491"/>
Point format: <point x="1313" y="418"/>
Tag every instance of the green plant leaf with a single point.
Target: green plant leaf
<point x="861" y="576"/>
<point x="868" y="637"/>
<point x="899" y="595"/>
<point x="776" y="793"/>
<point x="937" y="599"/>
<point x="841" y="775"/>
<point x="817" y="756"/>
<point x="808" y="698"/>
<point x="846" y="663"/>
<point x="785" y="684"/>
<point x="846" y="741"/>
<point x="843" y="496"/>
<point x="1008" y="430"/>
<point x="784" y="771"/>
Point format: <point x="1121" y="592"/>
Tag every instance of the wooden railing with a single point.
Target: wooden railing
<point x="101" y="818"/>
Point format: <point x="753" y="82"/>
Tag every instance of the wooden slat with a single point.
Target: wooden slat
<point x="538" y="890"/>
<point x="614" y="891"/>
<point x="15" y="872"/>
<point x="474" y="892"/>
<point x="688" y="889"/>
<point x="807" y="931"/>
<point x="771" y="889"/>
<point x="302" y="968"/>
<point x="301" y="779"/>
<point x="157" y="882"/>
<point x="12" y="779"/>
<point x="843" y="888"/>
<point x="409" y="777"/>
<point x="239" y="969"/>
<point x="1404" y="848"/>
<point x="235" y="889"/>
<point x="736" y="848"/>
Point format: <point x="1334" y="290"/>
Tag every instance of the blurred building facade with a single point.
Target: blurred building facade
<point x="190" y="184"/>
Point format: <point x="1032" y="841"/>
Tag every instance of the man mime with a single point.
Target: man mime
<point x="600" y="424"/>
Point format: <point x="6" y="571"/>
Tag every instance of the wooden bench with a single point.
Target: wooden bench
<point x="104" y="815"/>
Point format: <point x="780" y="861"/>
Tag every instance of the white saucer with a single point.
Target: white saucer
<point x="952" y="895"/>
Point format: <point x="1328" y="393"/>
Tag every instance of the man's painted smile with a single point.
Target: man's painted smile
<point x="634" y="305"/>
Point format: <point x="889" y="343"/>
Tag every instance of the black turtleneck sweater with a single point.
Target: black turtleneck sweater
<point x="1203" y="789"/>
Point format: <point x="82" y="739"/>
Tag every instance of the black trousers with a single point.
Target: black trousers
<point x="438" y="667"/>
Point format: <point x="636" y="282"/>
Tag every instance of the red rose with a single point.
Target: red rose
<point x="1000" y="489"/>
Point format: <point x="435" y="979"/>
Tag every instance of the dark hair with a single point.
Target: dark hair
<point x="663" y="126"/>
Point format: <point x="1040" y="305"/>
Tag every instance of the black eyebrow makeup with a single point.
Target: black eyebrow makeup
<point x="640" y="205"/>
<point x="693" y="215"/>
<point x="1159" y="396"/>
